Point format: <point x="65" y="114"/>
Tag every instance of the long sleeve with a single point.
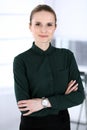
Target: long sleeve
<point x="21" y="83"/>
<point x="39" y="73"/>
<point x="62" y="101"/>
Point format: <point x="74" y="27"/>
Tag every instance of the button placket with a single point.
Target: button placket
<point x="50" y="77"/>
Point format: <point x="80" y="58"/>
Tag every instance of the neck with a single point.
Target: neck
<point x="42" y="46"/>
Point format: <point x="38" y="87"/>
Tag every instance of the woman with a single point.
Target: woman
<point x="47" y="80"/>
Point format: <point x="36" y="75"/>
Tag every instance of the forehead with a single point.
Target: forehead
<point x="44" y="16"/>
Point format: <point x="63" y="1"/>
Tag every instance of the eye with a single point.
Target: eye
<point x="38" y="24"/>
<point x="49" y="24"/>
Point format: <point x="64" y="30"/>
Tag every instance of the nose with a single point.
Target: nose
<point x="43" y="29"/>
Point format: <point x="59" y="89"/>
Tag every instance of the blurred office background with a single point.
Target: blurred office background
<point x="15" y="38"/>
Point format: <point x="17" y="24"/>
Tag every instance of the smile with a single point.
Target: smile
<point x="43" y="36"/>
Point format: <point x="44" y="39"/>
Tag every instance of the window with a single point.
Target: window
<point x="14" y="35"/>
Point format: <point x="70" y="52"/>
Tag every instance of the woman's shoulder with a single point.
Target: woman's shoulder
<point x="23" y="55"/>
<point x="64" y="51"/>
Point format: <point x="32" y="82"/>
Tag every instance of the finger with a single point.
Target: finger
<point x="23" y="109"/>
<point x="76" y="87"/>
<point x="22" y="101"/>
<point x="22" y="105"/>
<point x="73" y="88"/>
<point x="72" y="83"/>
<point x="28" y="113"/>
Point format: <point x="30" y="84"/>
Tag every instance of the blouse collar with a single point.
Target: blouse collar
<point x="38" y="50"/>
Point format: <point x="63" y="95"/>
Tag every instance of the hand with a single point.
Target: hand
<point x="31" y="105"/>
<point x="72" y="86"/>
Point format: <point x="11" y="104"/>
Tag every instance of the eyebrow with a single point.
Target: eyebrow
<point x="46" y="23"/>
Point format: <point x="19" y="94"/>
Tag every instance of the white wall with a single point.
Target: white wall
<point x="9" y="113"/>
<point x="71" y="25"/>
<point x="14" y="38"/>
<point x="72" y="18"/>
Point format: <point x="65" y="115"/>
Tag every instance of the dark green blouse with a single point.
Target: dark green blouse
<point x="39" y="73"/>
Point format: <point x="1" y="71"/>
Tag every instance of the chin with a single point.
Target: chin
<point x="45" y="41"/>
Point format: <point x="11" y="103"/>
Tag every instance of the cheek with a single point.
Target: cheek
<point x="51" y="32"/>
<point x="34" y="32"/>
<point x="33" y="29"/>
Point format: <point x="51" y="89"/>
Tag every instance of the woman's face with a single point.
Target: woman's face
<point x="43" y="26"/>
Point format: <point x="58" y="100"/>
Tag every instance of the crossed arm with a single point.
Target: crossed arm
<point x="33" y="105"/>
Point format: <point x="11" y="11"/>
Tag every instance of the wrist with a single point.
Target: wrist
<point x="45" y="102"/>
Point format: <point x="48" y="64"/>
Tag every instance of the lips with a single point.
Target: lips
<point x="43" y="36"/>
